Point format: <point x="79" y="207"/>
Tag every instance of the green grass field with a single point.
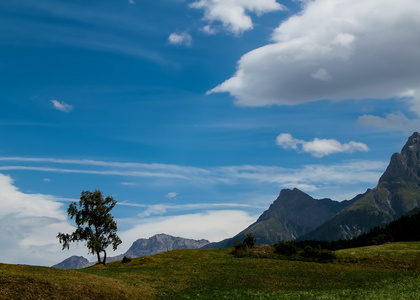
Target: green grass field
<point x="389" y="271"/>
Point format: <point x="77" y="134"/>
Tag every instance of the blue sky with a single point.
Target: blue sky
<point x="194" y="114"/>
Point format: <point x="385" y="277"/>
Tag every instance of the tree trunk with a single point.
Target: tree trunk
<point x="104" y="261"/>
<point x="99" y="257"/>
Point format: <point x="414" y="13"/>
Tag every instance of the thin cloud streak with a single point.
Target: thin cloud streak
<point x="311" y="177"/>
<point x="104" y="29"/>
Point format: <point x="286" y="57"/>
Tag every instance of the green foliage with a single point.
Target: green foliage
<point x="304" y="251"/>
<point x="249" y="240"/>
<point x="405" y="229"/>
<point x="95" y="224"/>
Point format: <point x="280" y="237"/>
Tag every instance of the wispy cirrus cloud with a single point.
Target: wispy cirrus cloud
<point x="97" y="27"/>
<point x="308" y="177"/>
<point x="163" y="208"/>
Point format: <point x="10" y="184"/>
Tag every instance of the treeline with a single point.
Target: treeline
<point x="405" y="229"/>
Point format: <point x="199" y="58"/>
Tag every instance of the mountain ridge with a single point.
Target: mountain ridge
<point x="141" y="247"/>
<point x="295" y="215"/>
<point x="292" y="214"/>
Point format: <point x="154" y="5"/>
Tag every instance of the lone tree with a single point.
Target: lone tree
<point x="95" y="224"/>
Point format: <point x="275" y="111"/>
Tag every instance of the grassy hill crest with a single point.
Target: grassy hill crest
<point x="392" y="269"/>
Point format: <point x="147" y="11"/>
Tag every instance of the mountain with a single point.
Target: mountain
<point x="161" y="243"/>
<point x="73" y="262"/>
<point x="296" y="215"/>
<point x="291" y="215"/>
<point x="141" y="247"/>
<point x="397" y="193"/>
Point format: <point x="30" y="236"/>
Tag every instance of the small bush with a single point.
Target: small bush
<point x="126" y="260"/>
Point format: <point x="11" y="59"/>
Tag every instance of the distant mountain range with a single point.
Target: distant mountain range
<point x="141" y="247"/>
<point x="295" y="215"/>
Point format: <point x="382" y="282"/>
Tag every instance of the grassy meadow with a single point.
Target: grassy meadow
<point x="389" y="271"/>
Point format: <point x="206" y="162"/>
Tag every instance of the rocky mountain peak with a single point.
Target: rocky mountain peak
<point x="299" y="208"/>
<point x="405" y="165"/>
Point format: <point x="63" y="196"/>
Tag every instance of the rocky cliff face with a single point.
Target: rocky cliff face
<point x="405" y="165"/>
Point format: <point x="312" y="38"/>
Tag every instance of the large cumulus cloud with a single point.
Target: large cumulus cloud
<point x="337" y="50"/>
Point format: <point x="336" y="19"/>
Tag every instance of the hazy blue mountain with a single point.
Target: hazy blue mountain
<point x="141" y="247"/>
<point x="73" y="262"/>
<point x="161" y="243"/>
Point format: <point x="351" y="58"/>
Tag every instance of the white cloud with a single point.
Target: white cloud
<point x="163" y="208"/>
<point x="29" y="224"/>
<point x="319" y="147"/>
<point x="233" y="14"/>
<point x="62" y="106"/>
<point x="337" y="50"/>
<point x="395" y="121"/>
<point x="171" y="195"/>
<point x="209" y="30"/>
<point x="180" y="39"/>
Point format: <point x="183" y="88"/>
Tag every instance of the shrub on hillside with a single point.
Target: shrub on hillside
<point x="245" y="248"/>
<point x="126" y="260"/>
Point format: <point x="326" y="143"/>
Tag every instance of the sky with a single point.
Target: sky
<point x="194" y="114"/>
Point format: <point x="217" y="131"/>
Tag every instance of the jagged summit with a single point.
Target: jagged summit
<point x="299" y="208"/>
<point x="405" y="165"/>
